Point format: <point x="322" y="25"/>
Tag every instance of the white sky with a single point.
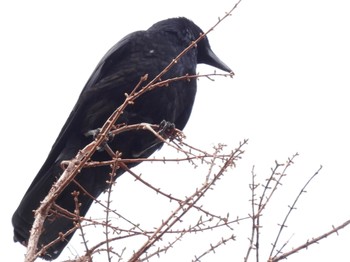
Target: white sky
<point x="290" y="94"/>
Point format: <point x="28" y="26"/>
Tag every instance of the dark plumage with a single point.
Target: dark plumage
<point x="137" y="54"/>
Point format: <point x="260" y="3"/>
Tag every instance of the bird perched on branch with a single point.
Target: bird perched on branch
<point x="119" y="71"/>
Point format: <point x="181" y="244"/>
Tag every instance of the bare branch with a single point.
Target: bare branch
<point x="310" y="242"/>
<point x="283" y="225"/>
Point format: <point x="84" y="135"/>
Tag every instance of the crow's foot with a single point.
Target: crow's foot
<point x="167" y="130"/>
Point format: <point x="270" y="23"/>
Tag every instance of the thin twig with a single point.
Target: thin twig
<point x="283" y="225"/>
<point x="310" y="242"/>
<point x="212" y="248"/>
<point x="253" y="216"/>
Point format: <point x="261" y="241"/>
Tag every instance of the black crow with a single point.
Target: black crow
<point x="137" y="54"/>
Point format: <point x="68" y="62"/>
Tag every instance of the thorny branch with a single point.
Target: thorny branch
<point x="283" y="225"/>
<point x="258" y="207"/>
<point x="212" y="248"/>
<point x="253" y="186"/>
<point x="310" y="242"/>
<point x="269" y="189"/>
<point x="184" y="207"/>
<point x="268" y="192"/>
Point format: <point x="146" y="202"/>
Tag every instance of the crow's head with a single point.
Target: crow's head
<point x="188" y="32"/>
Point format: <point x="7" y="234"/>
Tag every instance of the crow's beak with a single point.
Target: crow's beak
<point x="211" y="59"/>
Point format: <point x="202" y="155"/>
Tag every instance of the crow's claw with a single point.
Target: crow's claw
<point x="167" y="129"/>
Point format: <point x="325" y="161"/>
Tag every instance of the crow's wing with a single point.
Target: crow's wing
<point x="109" y="74"/>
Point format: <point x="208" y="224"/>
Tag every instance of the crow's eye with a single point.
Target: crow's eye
<point x="189" y="36"/>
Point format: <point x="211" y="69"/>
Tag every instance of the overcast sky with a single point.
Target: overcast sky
<point x="290" y="93"/>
